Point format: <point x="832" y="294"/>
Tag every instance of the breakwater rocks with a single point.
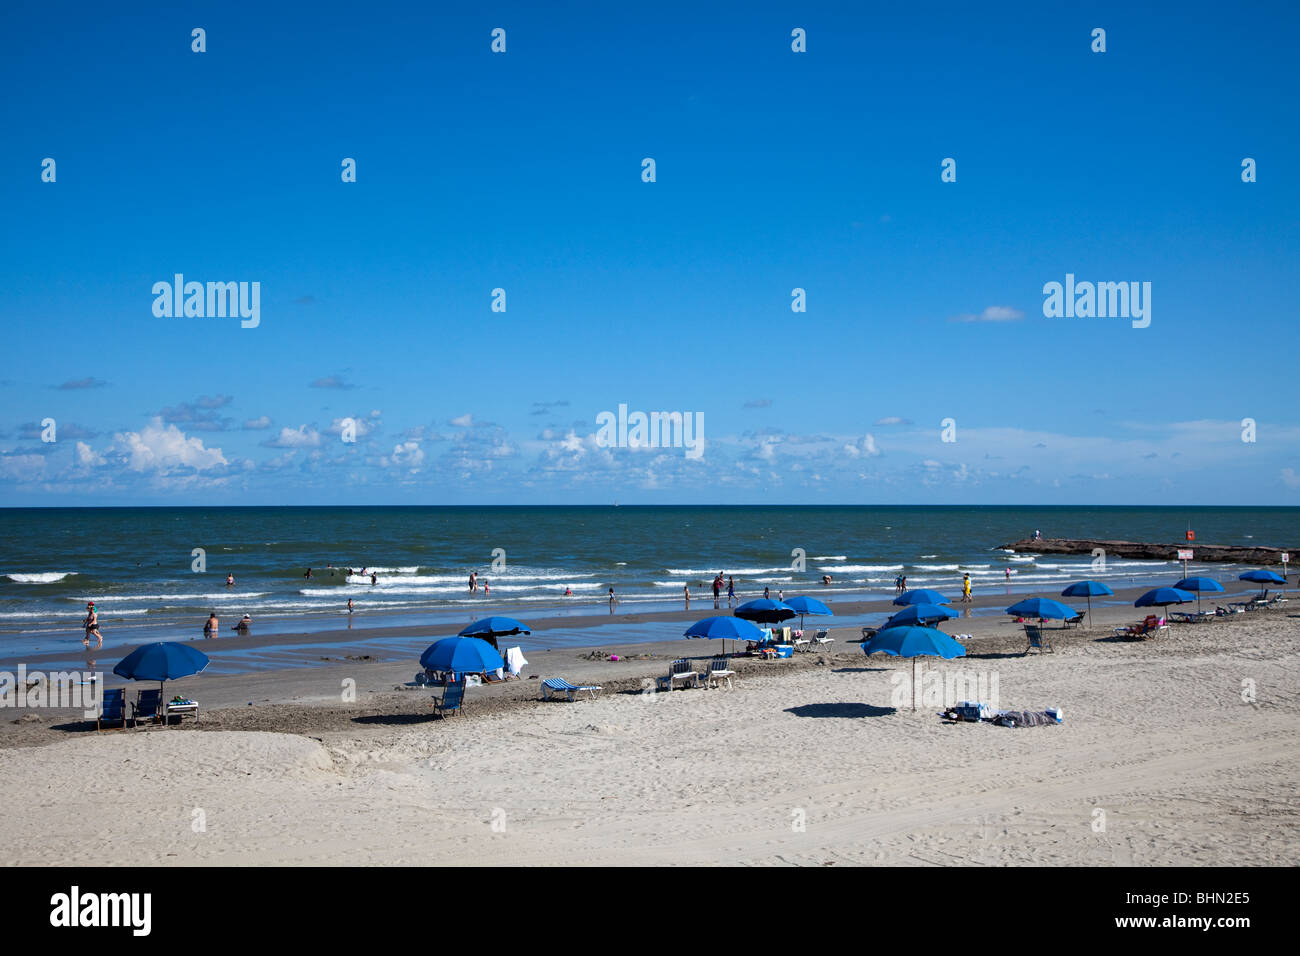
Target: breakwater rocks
<point x="1153" y="552"/>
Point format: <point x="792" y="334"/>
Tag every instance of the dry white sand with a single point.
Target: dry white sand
<point x="1157" y="738"/>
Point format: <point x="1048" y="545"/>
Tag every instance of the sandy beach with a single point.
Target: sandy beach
<point x="1176" y="750"/>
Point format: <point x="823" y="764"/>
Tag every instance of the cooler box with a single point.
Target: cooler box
<point x="785" y="650"/>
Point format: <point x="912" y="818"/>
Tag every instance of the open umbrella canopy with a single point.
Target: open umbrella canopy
<point x="462" y="654"/>
<point x="727" y="628"/>
<point x="1086" y="589"/>
<point x="1198" y="584"/>
<point x="765" y="610"/>
<point x="163" y="661"/>
<point x="494" y="627"/>
<point x="1163" y="597"/>
<point x="807" y="605"/>
<point x="1262" y="576"/>
<point x="921" y="596"/>
<point x="919" y="614"/>
<point x="1044" y="608"/>
<point x="913" y="642"/>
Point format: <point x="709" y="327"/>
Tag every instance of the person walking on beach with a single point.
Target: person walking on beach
<point x="965" y="589"/>
<point x="213" y="627"/>
<point x="731" y="589"/>
<point x="92" y="626"/>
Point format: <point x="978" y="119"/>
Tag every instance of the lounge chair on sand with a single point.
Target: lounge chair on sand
<point x="453" y="696"/>
<point x="1148" y="628"/>
<point x="147" y="704"/>
<point x="558" y="685"/>
<point x="717" y="672"/>
<point x="821" y="639"/>
<point x="1036" y="641"/>
<point x="1074" y="621"/>
<point x="112" y="709"/>
<point x="679" y="670"/>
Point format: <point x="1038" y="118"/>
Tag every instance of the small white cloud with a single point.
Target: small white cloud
<point x="304" y="436"/>
<point x="160" y="448"/>
<point x="257" y="424"/>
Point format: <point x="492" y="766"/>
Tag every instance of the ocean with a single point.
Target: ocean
<point x="139" y="564"/>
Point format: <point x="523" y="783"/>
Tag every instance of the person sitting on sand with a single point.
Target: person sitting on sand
<point x="92" y="626"/>
<point x="213" y="627"/>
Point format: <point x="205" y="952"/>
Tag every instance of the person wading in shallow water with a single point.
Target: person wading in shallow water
<point x="92" y="626"/>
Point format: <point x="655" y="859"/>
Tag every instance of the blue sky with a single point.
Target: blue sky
<point x="522" y="171"/>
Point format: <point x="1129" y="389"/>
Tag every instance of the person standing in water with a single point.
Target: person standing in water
<point x="731" y="589"/>
<point x="473" y="581"/>
<point x="350" y="605"/>
<point x="965" y="589"/>
<point x="612" y="600"/>
<point x="686" y="593"/>
<point x="230" y="580"/>
<point x="92" y="626"/>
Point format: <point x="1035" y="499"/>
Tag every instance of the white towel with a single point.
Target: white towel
<point x="515" y="661"/>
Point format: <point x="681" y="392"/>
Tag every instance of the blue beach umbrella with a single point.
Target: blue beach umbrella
<point x="1262" y="577"/>
<point x="725" y="628"/>
<point x="913" y="642"/>
<point x="1198" y="585"/>
<point x="921" y="596"/>
<point x="163" y="661"/>
<point x="923" y="614"/>
<point x="490" y="628"/>
<point x="461" y="655"/>
<point x="1087" y="589"/>
<point x="1044" y="608"/>
<point x="1163" y="597"/>
<point x="765" y="610"/>
<point x="802" y="605"/>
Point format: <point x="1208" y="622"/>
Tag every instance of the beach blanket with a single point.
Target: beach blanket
<point x="1025" y="718"/>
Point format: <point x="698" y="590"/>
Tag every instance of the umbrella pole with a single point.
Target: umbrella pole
<point x="914" y="687"/>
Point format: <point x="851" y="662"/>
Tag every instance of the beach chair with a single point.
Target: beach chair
<point x="147" y="704"/>
<point x="112" y="709"/>
<point x="868" y="633"/>
<point x="453" y="696"/>
<point x="1036" y="640"/>
<point x="558" y="685"/>
<point x="717" y="672"/>
<point x="1074" y="621"/>
<point x="821" y="638"/>
<point x="679" y="670"/>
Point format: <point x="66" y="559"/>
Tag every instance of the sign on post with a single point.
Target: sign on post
<point x="1184" y="554"/>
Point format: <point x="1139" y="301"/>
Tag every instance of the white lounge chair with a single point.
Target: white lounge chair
<point x="717" y="672"/>
<point x="821" y="638"/>
<point x="558" y="685"/>
<point x="679" y="670"/>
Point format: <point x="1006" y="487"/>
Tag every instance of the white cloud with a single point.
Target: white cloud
<point x="994" y="313"/>
<point x="160" y="448"/>
<point x="257" y="424"/>
<point x="304" y="436"/>
<point x="87" y="457"/>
